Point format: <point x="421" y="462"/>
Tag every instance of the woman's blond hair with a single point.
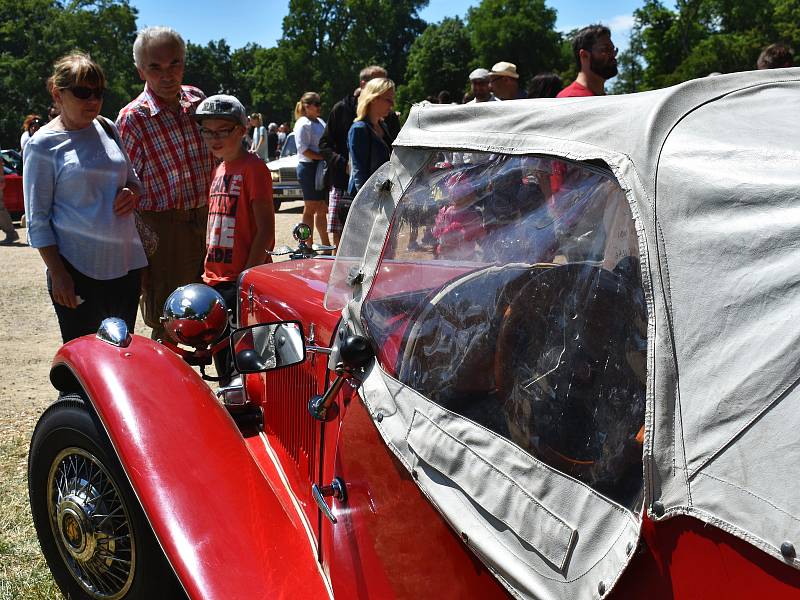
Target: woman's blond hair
<point x="74" y="68"/>
<point x="300" y="109"/>
<point x="373" y="88"/>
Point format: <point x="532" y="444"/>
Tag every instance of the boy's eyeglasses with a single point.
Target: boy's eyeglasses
<point x="216" y="134"/>
<point x="84" y="93"/>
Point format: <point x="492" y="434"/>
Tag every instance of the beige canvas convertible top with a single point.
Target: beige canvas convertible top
<point x="710" y="169"/>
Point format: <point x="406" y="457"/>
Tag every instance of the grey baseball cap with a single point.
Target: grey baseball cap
<point x="222" y="106"/>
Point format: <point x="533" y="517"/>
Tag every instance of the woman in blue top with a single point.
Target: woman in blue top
<point x="368" y="138"/>
<point x="80" y="192"/>
<point x="308" y="129"/>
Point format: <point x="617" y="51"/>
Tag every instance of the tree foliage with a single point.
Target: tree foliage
<point x="699" y="37"/>
<point x="325" y="43"/>
<point x="34" y="33"/>
<point x="440" y="59"/>
<point x="518" y="31"/>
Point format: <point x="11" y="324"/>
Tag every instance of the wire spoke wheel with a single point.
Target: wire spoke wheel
<point x="90" y="524"/>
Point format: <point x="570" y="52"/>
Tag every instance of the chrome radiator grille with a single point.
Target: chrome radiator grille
<point x="286" y="415"/>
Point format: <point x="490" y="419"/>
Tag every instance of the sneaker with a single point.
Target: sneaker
<point x="10" y="238"/>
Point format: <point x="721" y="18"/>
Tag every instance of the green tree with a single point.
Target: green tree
<point x="439" y="60"/>
<point x="34" y="33"/>
<point x="210" y="68"/>
<point x="325" y="44"/>
<point x="703" y="36"/>
<point x="631" y="69"/>
<point x="519" y="31"/>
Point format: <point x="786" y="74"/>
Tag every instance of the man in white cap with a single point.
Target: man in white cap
<point x="504" y="81"/>
<point x="479" y="80"/>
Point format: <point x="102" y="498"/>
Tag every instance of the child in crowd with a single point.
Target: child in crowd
<point x="241" y="216"/>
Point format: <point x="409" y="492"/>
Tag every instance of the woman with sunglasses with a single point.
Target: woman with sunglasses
<point x="80" y="192"/>
<point x="308" y="130"/>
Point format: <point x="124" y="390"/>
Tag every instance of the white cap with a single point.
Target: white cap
<point x="479" y="75"/>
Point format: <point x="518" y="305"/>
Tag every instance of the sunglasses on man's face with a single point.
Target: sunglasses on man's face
<point x="84" y="93"/>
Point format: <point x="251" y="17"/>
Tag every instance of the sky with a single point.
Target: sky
<point x="260" y="21"/>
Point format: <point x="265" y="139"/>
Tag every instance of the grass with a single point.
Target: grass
<point x="23" y="571"/>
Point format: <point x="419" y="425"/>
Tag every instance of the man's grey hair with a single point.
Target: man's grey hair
<point x="155" y="35"/>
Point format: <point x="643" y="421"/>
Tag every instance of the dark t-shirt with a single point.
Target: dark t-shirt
<point x="272" y="145"/>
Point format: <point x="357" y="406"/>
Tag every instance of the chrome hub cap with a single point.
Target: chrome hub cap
<point x="90" y="525"/>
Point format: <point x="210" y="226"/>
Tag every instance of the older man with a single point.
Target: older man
<point x="173" y="163"/>
<point x="504" y="81"/>
<point x="479" y="82"/>
<point x="596" y="59"/>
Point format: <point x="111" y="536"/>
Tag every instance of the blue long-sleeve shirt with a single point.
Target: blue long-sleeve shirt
<point x="70" y="181"/>
<point x="367" y="153"/>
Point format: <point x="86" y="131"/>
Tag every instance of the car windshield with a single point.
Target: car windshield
<point x="12" y="162"/>
<point x="509" y="292"/>
<point x="289" y="146"/>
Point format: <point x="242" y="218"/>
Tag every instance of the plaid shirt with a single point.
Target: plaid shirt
<point x="166" y="149"/>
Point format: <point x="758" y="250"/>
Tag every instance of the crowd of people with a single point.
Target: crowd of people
<point x="177" y="190"/>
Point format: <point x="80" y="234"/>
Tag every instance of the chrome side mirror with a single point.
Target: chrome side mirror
<point x="267" y="346"/>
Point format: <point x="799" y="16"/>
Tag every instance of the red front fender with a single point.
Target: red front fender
<point x="223" y="528"/>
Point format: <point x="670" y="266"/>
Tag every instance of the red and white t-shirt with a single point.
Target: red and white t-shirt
<point x="236" y="186"/>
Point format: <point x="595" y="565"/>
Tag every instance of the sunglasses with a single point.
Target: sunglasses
<point x="84" y="93"/>
<point x="313" y="103"/>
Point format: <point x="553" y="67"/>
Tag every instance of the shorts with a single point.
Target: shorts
<point x="334" y="224"/>
<point x="306" y="175"/>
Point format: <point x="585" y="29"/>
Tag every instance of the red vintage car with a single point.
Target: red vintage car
<point x="12" y="194"/>
<point x="554" y="358"/>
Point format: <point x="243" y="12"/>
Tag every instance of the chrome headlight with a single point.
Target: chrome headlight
<point x="195" y="315"/>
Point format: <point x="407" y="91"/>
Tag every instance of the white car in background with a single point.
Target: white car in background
<point x="285" y="185"/>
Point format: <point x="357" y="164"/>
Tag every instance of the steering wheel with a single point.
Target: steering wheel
<point x="570" y="372"/>
<point x="449" y="350"/>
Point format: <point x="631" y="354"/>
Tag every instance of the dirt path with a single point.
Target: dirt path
<point x="29" y="338"/>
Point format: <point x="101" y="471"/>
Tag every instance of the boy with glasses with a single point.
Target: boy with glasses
<point x="241" y="216"/>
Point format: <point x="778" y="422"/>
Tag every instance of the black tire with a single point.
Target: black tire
<point x="277" y="203"/>
<point x="74" y="479"/>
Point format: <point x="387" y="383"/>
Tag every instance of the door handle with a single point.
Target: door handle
<point x="335" y="490"/>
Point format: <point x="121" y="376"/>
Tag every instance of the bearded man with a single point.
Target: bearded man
<point x="596" y="59"/>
